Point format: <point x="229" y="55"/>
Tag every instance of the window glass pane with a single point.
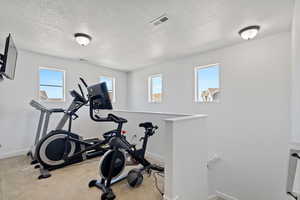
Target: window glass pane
<point x="108" y="81"/>
<point x="51" y="77"/>
<point x="51" y="84"/>
<point x="156" y="88"/>
<point x="208" y="84"/>
<point x="111" y="95"/>
<point x="48" y="92"/>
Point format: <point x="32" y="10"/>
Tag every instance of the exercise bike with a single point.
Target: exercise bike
<point x="63" y="147"/>
<point x="114" y="161"/>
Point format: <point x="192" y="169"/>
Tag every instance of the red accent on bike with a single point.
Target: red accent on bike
<point x="124" y="132"/>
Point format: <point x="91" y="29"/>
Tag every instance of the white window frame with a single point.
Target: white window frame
<point x="64" y="85"/>
<point x="113" y="86"/>
<point x="196" y="99"/>
<point x="150" y="100"/>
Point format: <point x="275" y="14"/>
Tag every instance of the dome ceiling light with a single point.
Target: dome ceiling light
<point x="249" y="32"/>
<point x="82" y="39"/>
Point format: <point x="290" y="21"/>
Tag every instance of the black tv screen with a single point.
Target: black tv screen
<point x="9" y="59"/>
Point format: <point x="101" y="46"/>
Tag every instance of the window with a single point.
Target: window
<point x="207" y="83"/>
<point x="52" y="84"/>
<point x="155" y="88"/>
<point x="110" y="83"/>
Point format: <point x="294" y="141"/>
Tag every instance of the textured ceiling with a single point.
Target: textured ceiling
<point x="122" y="36"/>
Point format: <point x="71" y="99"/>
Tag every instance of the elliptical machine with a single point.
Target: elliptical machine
<point x="42" y="128"/>
<point x="114" y="161"/>
<point x="63" y="147"/>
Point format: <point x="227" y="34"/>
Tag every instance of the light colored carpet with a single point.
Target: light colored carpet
<point x="18" y="181"/>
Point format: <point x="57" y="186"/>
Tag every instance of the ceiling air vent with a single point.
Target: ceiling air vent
<point x="159" y="20"/>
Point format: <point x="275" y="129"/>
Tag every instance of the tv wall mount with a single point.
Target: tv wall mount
<point x="1" y="65"/>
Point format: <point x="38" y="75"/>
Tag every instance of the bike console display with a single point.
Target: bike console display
<point x="99" y="97"/>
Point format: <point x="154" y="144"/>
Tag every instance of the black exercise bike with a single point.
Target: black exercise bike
<point x="114" y="161"/>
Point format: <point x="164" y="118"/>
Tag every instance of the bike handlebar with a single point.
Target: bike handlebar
<point x="110" y="118"/>
<point x="116" y="118"/>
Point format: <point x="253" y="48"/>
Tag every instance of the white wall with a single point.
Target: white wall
<point x="179" y="183"/>
<point x="249" y="128"/>
<point x="295" y="107"/>
<point x="295" y="74"/>
<point x="18" y="120"/>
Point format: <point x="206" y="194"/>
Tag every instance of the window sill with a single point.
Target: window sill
<point x="53" y="100"/>
<point x="207" y="102"/>
<point x="155" y="102"/>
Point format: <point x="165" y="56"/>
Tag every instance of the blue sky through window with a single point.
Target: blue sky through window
<point x="156" y="85"/>
<point x="108" y="81"/>
<point x="51" y="77"/>
<point x="208" y="78"/>
<point x="51" y="81"/>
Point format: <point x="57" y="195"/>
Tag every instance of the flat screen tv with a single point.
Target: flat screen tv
<point x="8" y="60"/>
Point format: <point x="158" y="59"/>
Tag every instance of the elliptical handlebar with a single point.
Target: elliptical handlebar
<point x="81" y="91"/>
<point x="83" y="81"/>
<point x="78" y="101"/>
<point x="78" y="97"/>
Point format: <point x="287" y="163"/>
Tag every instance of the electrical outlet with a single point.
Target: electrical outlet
<point x="215" y="158"/>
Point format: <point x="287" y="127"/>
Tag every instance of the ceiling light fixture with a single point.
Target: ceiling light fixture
<point x="249" y="32"/>
<point x="82" y="39"/>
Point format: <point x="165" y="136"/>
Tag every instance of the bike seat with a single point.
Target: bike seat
<point x="146" y="125"/>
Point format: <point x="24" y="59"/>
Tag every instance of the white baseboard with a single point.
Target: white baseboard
<point x="168" y="198"/>
<point x="13" y="153"/>
<point x="225" y="196"/>
<point x="212" y="197"/>
<point x="155" y="156"/>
